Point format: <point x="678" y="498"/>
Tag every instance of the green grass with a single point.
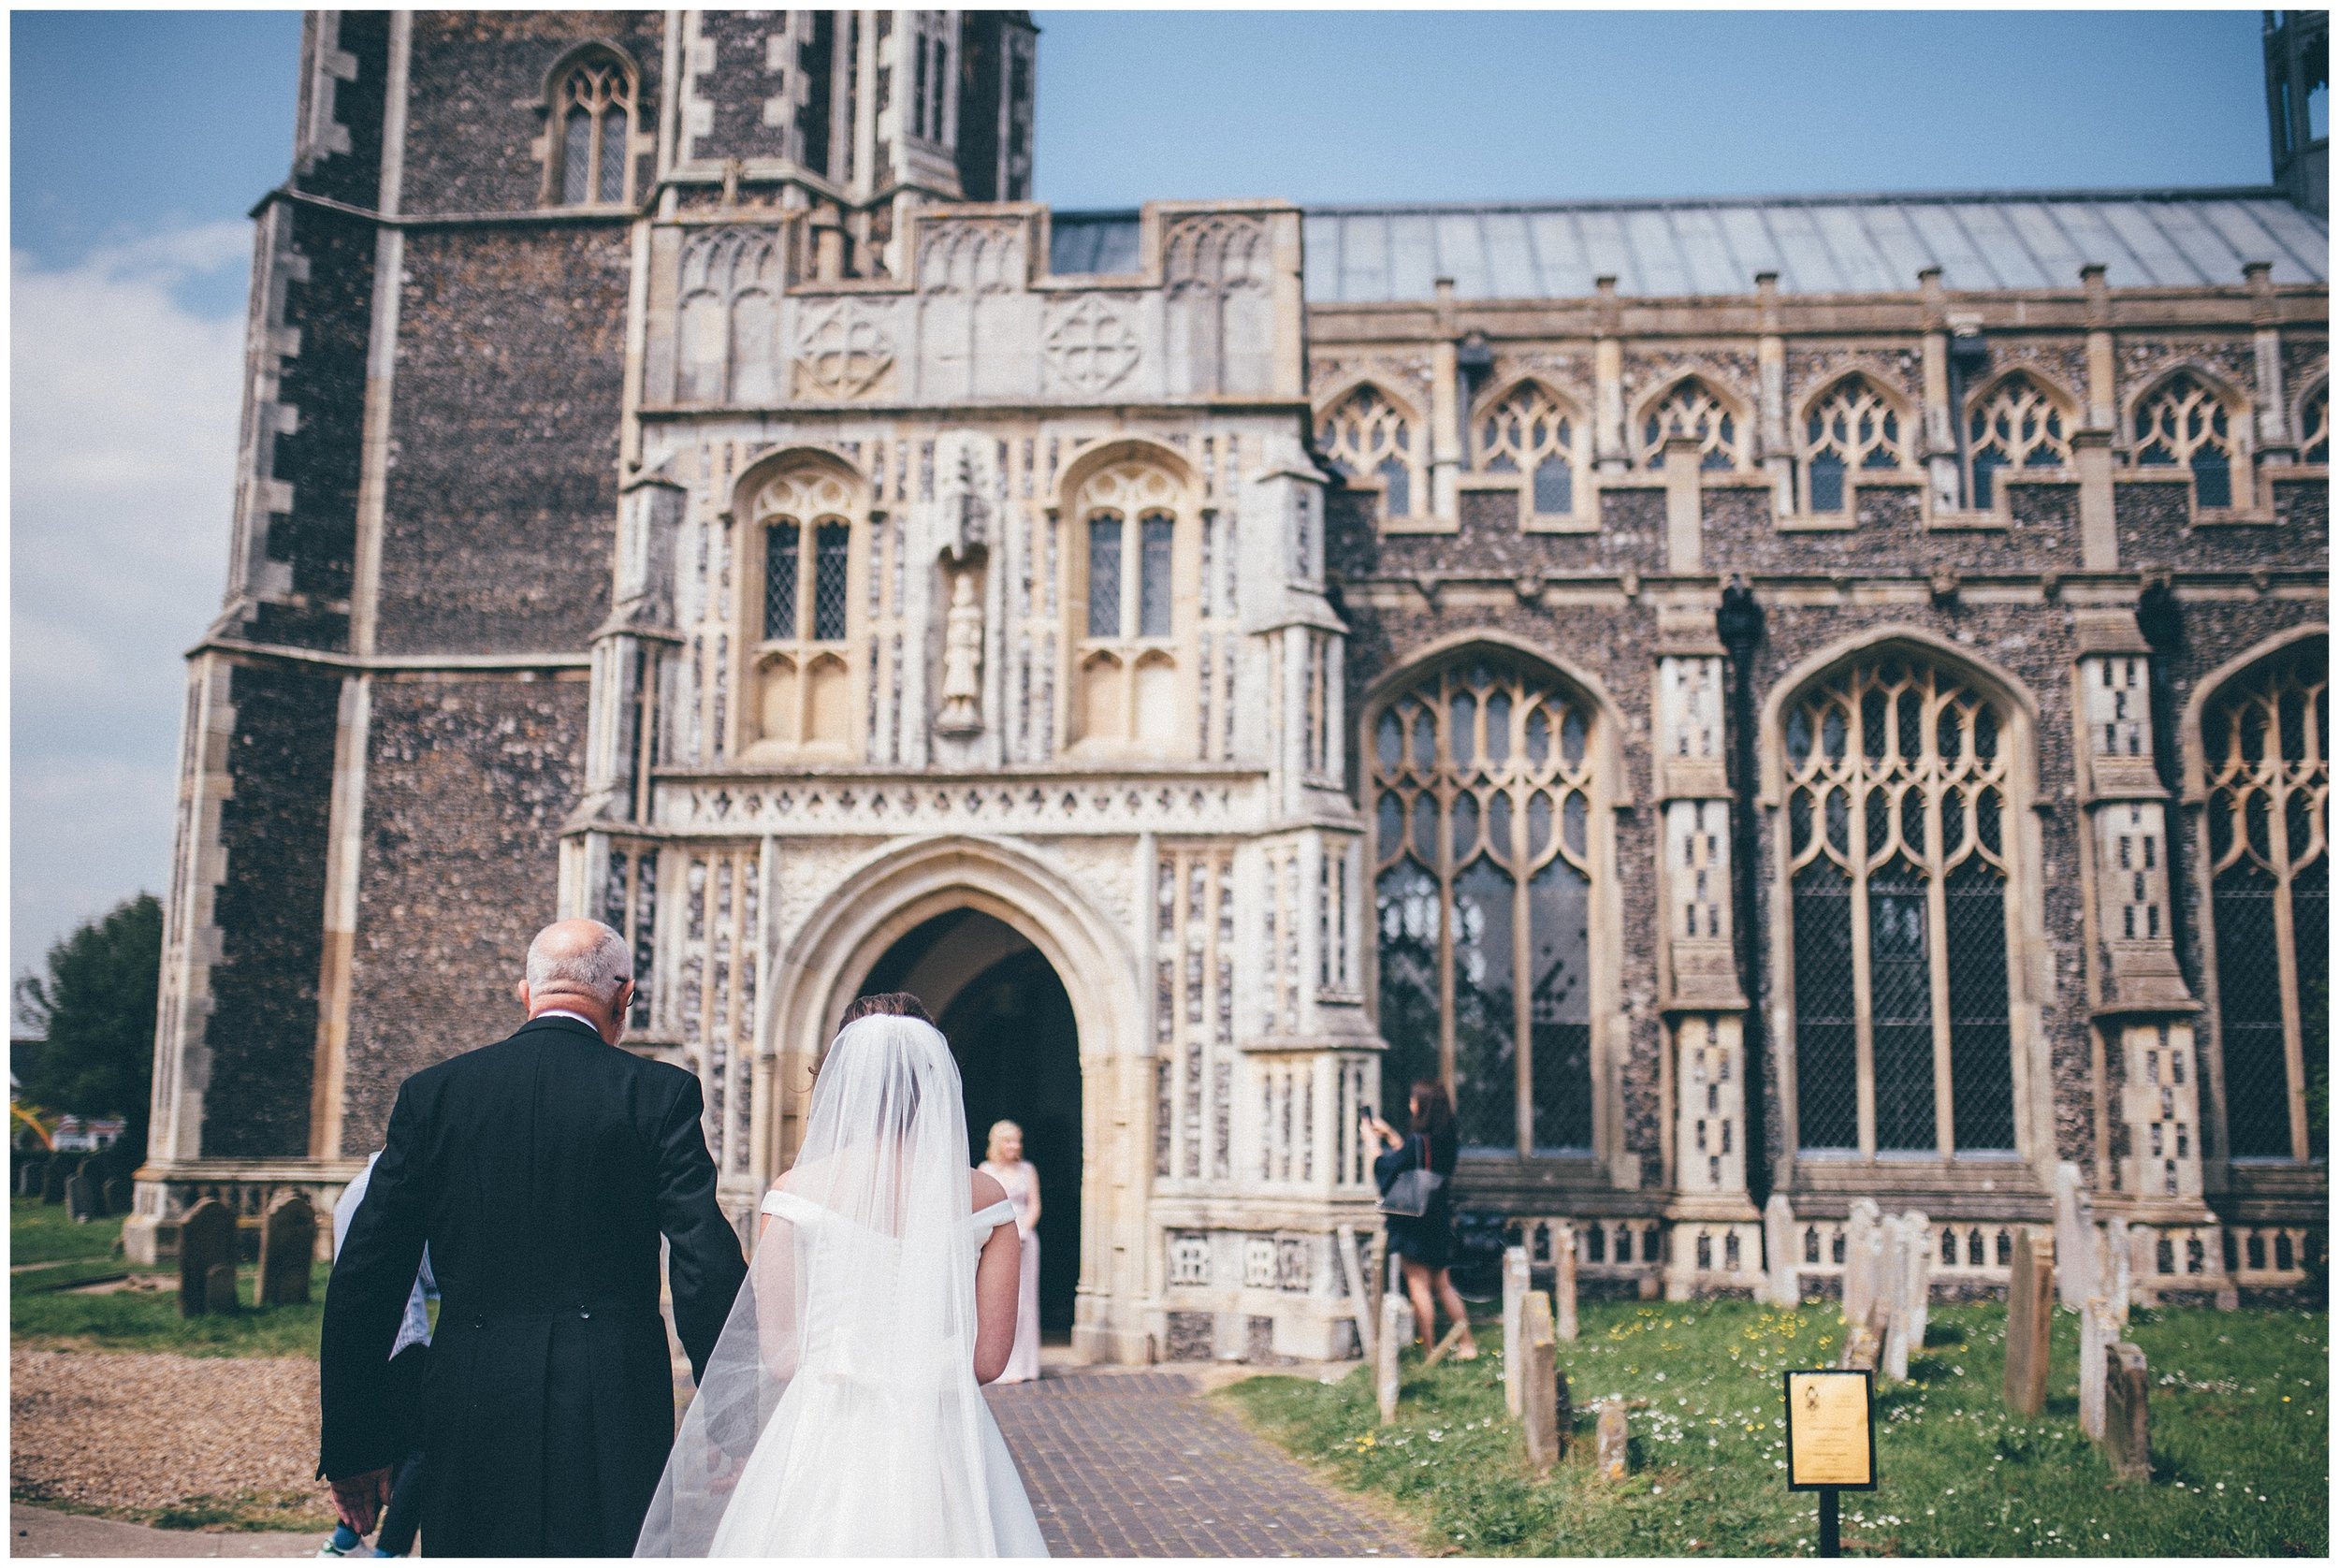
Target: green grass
<point x="2238" y="1412"/>
<point x="138" y="1319"/>
<point x="253" y="1511"/>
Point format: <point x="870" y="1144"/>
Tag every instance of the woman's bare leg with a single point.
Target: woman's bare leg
<point x="1418" y="1289"/>
<point x="1452" y="1301"/>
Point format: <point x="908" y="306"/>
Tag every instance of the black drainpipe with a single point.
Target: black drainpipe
<point x="2161" y="619"/>
<point x="1739" y="623"/>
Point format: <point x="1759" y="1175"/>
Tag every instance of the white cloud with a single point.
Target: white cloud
<point x="121" y="459"/>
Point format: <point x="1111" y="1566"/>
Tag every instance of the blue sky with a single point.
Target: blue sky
<point x="139" y="140"/>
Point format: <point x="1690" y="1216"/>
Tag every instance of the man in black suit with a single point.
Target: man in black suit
<point x="541" y="1171"/>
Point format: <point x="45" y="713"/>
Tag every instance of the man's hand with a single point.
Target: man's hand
<point x="360" y="1499"/>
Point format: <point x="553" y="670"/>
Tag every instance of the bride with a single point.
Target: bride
<point x="840" y="1414"/>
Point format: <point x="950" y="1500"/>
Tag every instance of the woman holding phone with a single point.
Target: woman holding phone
<point x="1424" y="1243"/>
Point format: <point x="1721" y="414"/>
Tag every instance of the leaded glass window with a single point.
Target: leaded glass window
<point x="1155" y="534"/>
<point x="783" y="543"/>
<point x="831" y="558"/>
<point x="2016" y="425"/>
<point x="1692" y="408"/>
<point x="1104" y="577"/>
<point x="2185" y="424"/>
<point x="801" y="670"/>
<point x="594" y="111"/>
<point x="2315" y="425"/>
<point x="1482" y="776"/>
<point x="1366" y="439"/>
<point x="1852" y="427"/>
<point x="2266" y="745"/>
<point x="1896" y="825"/>
<point x="1529" y="432"/>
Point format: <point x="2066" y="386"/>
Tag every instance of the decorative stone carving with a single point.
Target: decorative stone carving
<point x="962" y="657"/>
<point x="1088" y="347"/>
<point x="844" y="351"/>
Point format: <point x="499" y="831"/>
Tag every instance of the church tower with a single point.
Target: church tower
<point x="2297" y="68"/>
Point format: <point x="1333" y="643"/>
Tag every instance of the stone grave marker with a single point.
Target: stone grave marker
<point x="1354" y="1279"/>
<point x="288" y="1244"/>
<point x="1539" y="1366"/>
<point x="1515" y="1282"/>
<point x="1612" y="1458"/>
<point x="30" y="1173"/>
<point x="2074" y="1238"/>
<point x="2127" y="1434"/>
<point x="1860" y="1349"/>
<point x="1778" y="1253"/>
<point x="2029" y="1312"/>
<point x="2098" y="1333"/>
<point x="83" y="1200"/>
<point x="52" y="1180"/>
<point x="1563" y="1282"/>
<point x="2118" y="1270"/>
<point x="1892" y="1300"/>
<point x="119" y="1192"/>
<point x="1859" y="1261"/>
<point x="1396" y="1332"/>
<point x="207" y="1238"/>
<point x="219" y="1289"/>
<point x="1916" y="1282"/>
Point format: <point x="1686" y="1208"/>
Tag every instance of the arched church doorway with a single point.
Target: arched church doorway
<point x="1010" y="1028"/>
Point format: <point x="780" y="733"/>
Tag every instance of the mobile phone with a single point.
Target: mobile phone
<point x="1365" y="1112"/>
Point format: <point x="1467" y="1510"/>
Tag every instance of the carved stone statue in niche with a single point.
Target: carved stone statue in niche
<point x="961" y="654"/>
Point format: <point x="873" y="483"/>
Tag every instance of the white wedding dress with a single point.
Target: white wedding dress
<point x="839" y="1416"/>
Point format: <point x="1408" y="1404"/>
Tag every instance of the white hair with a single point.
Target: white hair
<point x="560" y="963"/>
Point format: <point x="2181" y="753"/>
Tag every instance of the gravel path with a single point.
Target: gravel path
<point x="148" y="1431"/>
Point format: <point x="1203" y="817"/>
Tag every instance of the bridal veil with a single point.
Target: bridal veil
<point x="839" y="1413"/>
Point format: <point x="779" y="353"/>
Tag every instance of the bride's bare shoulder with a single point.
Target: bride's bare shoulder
<point x="987" y="1191"/>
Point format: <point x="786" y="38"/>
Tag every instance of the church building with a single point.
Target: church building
<point x="1822" y="696"/>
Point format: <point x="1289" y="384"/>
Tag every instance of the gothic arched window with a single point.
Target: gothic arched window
<point x="1898" y="829"/>
<point x="802" y="664"/>
<point x="1531" y="432"/>
<point x="1125" y="584"/>
<point x="2017" y="423"/>
<point x="1482" y="775"/>
<point x="1850" y="428"/>
<point x="2184" y="423"/>
<point x="2266" y="745"/>
<point x="1692" y="408"/>
<point x="1367" y="440"/>
<point x="592" y="125"/>
<point x="2315" y="425"/>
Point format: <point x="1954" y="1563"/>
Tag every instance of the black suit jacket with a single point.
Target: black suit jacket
<point x="541" y="1171"/>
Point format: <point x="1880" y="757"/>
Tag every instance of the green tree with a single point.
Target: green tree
<point x="94" y="1009"/>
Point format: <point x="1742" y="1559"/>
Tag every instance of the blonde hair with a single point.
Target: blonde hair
<point x="998" y="1130"/>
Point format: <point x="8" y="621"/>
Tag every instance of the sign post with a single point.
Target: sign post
<point x="1831" y="1441"/>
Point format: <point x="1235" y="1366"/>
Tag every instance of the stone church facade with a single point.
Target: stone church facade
<point x="1825" y="696"/>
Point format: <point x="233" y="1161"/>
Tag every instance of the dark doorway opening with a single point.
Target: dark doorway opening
<point x="1010" y="1029"/>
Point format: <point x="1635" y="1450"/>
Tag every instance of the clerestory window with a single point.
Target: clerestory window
<point x="1369" y="442"/>
<point x="2185" y="424"/>
<point x="1530" y="432"/>
<point x="2017" y="424"/>
<point x="1692" y="408"/>
<point x="1850" y="429"/>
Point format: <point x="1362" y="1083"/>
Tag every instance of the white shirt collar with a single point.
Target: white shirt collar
<point x="563" y="1013"/>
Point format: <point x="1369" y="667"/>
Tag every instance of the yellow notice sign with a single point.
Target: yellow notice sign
<point x="1831" y="1434"/>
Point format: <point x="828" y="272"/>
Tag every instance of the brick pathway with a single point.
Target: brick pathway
<point x="1137" y="1464"/>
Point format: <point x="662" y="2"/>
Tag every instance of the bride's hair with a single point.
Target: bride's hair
<point x="887" y="1004"/>
<point x="998" y="1130"/>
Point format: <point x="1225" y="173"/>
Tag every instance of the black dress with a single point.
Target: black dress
<point x="542" y="1171"/>
<point x="1427" y="1240"/>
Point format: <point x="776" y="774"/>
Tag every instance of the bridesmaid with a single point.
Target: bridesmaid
<point x="1003" y="1161"/>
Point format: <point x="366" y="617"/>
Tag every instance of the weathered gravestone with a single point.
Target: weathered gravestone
<point x="1784" y="1276"/>
<point x="1515" y="1282"/>
<point x="1564" y="1283"/>
<point x="1539" y="1368"/>
<point x="30" y="1173"/>
<point x="1859" y="1261"/>
<point x="2074" y="1238"/>
<point x="85" y="1200"/>
<point x="288" y="1244"/>
<point x="1915" y="1305"/>
<point x="1355" y="1279"/>
<point x="207" y="1238"/>
<point x="1612" y="1458"/>
<point x="2118" y="1270"/>
<point x="1892" y="1300"/>
<point x="1860" y="1348"/>
<point x="52" y="1180"/>
<point x="1396" y="1332"/>
<point x="2127" y="1434"/>
<point x="2030" y="1314"/>
<point x="2097" y="1334"/>
<point x="219" y="1289"/>
<point x="119" y="1193"/>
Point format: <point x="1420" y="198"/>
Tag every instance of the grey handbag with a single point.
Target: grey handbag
<point x="1408" y="1195"/>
